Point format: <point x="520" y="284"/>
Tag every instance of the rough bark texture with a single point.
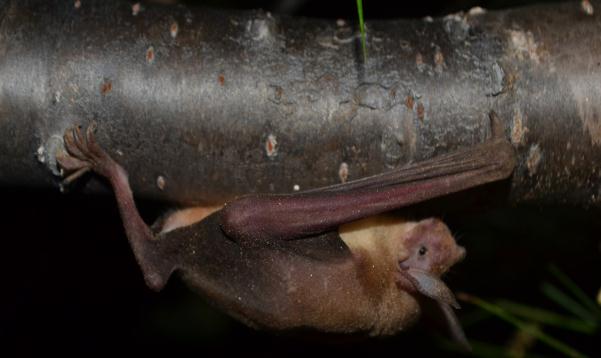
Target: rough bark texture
<point x="201" y="105"/>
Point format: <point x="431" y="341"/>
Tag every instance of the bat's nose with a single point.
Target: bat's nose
<point x="460" y="253"/>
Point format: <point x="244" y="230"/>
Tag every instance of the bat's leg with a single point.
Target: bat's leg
<point x="83" y="154"/>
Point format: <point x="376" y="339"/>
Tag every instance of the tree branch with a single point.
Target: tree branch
<point x="201" y="105"/>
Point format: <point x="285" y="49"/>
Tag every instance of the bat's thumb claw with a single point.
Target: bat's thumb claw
<point x="432" y="286"/>
<point x="496" y="125"/>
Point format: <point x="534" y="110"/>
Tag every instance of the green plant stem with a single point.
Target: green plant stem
<point x="567" y="302"/>
<point x="568" y="283"/>
<point x="546" y="317"/>
<point x="362" y="29"/>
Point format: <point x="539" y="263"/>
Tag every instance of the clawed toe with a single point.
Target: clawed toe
<point x="82" y="153"/>
<point x="80" y="142"/>
<point x="70" y="163"/>
<point x="71" y="145"/>
<point x="92" y="145"/>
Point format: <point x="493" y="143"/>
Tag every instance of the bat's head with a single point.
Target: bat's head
<point x="430" y="247"/>
<point x="418" y="252"/>
<point x="429" y="251"/>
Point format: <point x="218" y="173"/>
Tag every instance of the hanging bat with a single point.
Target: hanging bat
<point x="328" y="259"/>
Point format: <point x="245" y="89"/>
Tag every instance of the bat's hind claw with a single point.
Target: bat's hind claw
<point x="82" y="154"/>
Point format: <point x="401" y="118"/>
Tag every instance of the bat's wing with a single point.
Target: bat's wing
<point x="290" y="216"/>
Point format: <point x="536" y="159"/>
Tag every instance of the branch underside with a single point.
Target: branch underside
<point x="201" y="106"/>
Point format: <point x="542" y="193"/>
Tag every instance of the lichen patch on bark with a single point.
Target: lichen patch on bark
<point x="518" y="129"/>
<point x="524" y="46"/>
<point x="534" y="159"/>
<point x="587" y="96"/>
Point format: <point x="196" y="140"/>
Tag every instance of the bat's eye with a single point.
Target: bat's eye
<point x="422" y="251"/>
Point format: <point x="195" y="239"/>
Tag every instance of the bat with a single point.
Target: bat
<point x="331" y="259"/>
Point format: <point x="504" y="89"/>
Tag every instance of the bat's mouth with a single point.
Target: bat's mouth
<point x="427" y="284"/>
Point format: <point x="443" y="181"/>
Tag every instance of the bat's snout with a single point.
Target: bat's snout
<point x="460" y="254"/>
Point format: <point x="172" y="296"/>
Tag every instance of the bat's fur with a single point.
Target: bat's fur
<point x="322" y="282"/>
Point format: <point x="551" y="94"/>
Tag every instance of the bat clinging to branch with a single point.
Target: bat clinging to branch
<point x="327" y="259"/>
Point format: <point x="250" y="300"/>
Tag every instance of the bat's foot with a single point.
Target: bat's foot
<point x="83" y="154"/>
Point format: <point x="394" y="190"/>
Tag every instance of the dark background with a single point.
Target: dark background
<point x="70" y="283"/>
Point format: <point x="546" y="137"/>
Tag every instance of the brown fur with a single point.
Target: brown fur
<point x="186" y="217"/>
<point x="358" y="294"/>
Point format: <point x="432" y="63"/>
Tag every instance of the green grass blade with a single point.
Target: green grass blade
<point x="567" y="302"/>
<point x="362" y="29"/>
<point x="576" y="291"/>
<point x="530" y="329"/>
<point x="469" y="319"/>
<point x="541" y="316"/>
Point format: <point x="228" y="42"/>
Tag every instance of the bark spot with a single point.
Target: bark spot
<point x="173" y="29"/>
<point x="499" y="82"/>
<point x="136" y="8"/>
<point x="438" y="60"/>
<point x="373" y="96"/>
<point x="47" y="153"/>
<point x="278" y="93"/>
<point x="456" y="25"/>
<point x="40" y="154"/>
<point x="77" y="4"/>
<point x="524" y="46"/>
<point x="405" y="45"/>
<point x="271" y="146"/>
<point x="343" y="172"/>
<point x="106" y="87"/>
<point x="261" y="29"/>
<point x="161" y="182"/>
<point x="587" y="7"/>
<point x="533" y="160"/>
<point x="419" y="61"/>
<point x="476" y="10"/>
<point x="518" y="130"/>
<point x="587" y="96"/>
<point x="409" y="102"/>
<point x="150" y="55"/>
<point x="421" y="111"/>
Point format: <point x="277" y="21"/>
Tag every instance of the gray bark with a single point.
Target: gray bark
<point x="201" y="105"/>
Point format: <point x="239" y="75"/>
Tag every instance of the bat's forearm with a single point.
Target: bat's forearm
<point x="293" y="216"/>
